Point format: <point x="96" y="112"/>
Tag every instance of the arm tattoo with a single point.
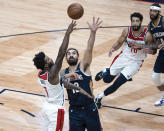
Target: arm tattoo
<point x="152" y="45"/>
<point x="69" y="85"/>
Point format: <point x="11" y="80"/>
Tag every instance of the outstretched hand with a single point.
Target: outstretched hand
<point x="95" y="24"/>
<point x="71" y="27"/>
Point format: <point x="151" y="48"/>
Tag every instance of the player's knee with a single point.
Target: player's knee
<point x="107" y="77"/>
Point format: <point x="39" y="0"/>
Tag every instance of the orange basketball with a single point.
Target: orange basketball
<point x="75" y="11"/>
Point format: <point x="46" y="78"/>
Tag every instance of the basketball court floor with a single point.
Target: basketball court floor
<point x="131" y="108"/>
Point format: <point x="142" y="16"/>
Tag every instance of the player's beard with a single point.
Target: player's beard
<point x="154" y="17"/>
<point x="72" y="61"/>
<point x="136" y="28"/>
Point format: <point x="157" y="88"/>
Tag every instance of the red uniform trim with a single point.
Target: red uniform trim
<point x="140" y="37"/>
<point x="60" y="120"/>
<point x="115" y="58"/>
<point x="46" y="91"/>
<point x="141" y="65"/>
<point x="43" y="76"/>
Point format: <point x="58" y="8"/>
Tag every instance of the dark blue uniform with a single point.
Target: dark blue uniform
<point x="158" y="33"/>
<point x="83" y="113"/>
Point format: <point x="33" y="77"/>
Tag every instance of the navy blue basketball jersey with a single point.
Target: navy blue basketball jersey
<point x="157" y="31"/>
<point x="74" y="96"/>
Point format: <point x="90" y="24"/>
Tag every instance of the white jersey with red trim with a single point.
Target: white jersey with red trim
<point x="54" y="93"/>
<point x="130" y="53"/>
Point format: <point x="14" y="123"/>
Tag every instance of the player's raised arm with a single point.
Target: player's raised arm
<point x="58" y="63"/>
<point x="86" y="61"/>
<point x="119" y="42"/>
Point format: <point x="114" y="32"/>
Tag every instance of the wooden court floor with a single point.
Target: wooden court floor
<point x="131" y="108"/>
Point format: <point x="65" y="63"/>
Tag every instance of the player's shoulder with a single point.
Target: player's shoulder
<point x="43" y="75"/>
<point x="149" y="27"/>
<point x="62" y="72"/>
<point x="145" y="29"/>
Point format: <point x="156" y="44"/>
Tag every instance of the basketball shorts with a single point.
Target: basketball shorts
<point x="126" y="66"/>
<point x="52" y="117"/>
<point x="82" y="118"/>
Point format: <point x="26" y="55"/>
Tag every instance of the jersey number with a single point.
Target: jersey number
<point x="73" y="90"/>
<point x="134" y="50"/>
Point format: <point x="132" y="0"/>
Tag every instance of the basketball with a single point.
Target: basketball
<point x="75" y="11"/>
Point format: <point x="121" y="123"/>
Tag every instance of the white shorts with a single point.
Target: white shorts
<point x="52" y="117"/>
<point x="125" y="66"/>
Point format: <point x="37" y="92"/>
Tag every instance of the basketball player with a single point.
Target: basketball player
<point x="83" y="113"/>
<point x="156" y="35"/>
<point x="128" y="62"/>
<point x="49" y="79"/>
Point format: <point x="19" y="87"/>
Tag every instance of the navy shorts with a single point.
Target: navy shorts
<point x="82" y="118"/>
<point x="159" y="63"/>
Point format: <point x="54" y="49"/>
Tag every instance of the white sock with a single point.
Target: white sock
<point x="156" y="77"/>
<point x="101" y="95"/>
<point x="162" y="94"/>
<point x="104" y="70"/>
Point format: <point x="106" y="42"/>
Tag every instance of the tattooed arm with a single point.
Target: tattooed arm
<point x="65" y="80"/>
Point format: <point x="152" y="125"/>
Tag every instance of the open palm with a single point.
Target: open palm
<point x="95" y="25"/>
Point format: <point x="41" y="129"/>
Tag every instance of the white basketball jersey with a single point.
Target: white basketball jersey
<point x="54" y="93"/>
<point x="134" y="54"/>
